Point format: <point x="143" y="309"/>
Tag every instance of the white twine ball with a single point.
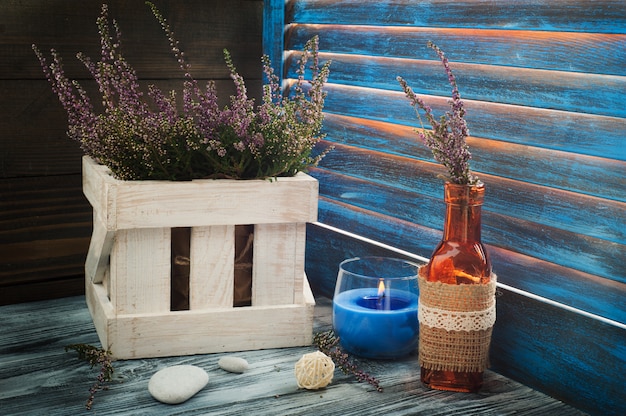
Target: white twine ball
<point x="314" y="371"/>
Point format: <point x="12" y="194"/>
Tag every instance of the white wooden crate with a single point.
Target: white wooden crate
<point x="127" y="271"/>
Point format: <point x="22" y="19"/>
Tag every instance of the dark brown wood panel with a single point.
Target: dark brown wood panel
<point x="203" y="27"/>
<point x="45" y="222"/>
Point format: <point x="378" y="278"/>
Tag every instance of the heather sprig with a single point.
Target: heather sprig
<point x="170" y="136"/>
<point x="96" y="357"/>
<point x="447" y="138"/>
<point x="328" y="343"/>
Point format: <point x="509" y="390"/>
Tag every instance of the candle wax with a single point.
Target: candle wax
<point x="367" y="330"/>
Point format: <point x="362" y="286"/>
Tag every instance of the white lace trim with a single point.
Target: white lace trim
<point x="455" y="320"/>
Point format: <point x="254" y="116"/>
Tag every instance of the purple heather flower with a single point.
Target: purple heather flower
<point x="155" y="139"/>
<point x="447" y="137"/>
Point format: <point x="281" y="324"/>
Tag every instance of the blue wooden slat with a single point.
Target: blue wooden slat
<point x="543" y="82"/>
<point x="574" y="132"/>
<point x="273" y="33"/>
<point x="600" y="16"/>
<point x="566" y="91"/>
<point x="568" y="171"/>
<point x="570" y="357"/>
<point x="601" y="297"/>
<point x="396" y="189"/>
<point x="592" y="53"/>
<point x="539" y="231"/>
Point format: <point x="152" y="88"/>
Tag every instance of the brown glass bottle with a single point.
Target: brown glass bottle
<point x="460" y="258"/>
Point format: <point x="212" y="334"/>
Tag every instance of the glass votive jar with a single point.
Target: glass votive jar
<point x="375" y="307"/>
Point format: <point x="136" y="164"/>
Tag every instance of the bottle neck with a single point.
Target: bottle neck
<point x="463" y="212"/>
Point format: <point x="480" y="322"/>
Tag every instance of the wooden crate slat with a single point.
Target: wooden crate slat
<point x="178" y="206"/>
<point x="99" y="193"/>
<point x="212" y="265"/>
<point x="99" y="251"/>
<point x="274" y="280"/>
<point x="101" y="310"/>
<point x="603" y="16"/>
<point x="144" y="335"/>
<point x="300" y="285"/>
<point x="142" y="204"/>
<point x="140" y="270"/>
<point x="237" y="329"/>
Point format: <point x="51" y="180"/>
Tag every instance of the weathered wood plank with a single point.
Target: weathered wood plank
<point x="565" y="170"/>
<point x="277" y="278"/>
<point x="45" y="224"/>
<point x="38" y="373"/>
<point x="544" y="205"/>
<point x="594" y="53"/>
<point x="568" y="356"/>
<point x="563" y="248"/>
<point x="559" y="130"/>
<point x="71" y="284"/>
<point x="273" y="33"/>
<point x="604" y="16"/>
<point x="524" y="216"/>
<point x="212" y="271"/>
<point x="140" y="271"/>
<point x="557" y="90"/>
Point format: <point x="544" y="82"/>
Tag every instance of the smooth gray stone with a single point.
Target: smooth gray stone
<point x="177" y="384"/>
<point x="233" y="364"/>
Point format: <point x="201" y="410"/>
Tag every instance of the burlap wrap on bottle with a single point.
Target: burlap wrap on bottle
<point x="455" y="325"/>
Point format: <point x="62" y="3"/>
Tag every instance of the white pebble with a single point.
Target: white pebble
<point x="233" y="364"/>
<point x="177" y="383"/>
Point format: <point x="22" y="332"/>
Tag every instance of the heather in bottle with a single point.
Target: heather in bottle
<point x="457" y="287"/>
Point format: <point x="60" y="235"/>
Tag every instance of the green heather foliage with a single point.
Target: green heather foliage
<point x="168" y="136"/>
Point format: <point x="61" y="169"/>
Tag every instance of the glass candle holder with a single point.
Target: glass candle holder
<point x="375" y="307"/>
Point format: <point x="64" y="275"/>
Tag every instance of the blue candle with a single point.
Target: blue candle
<point x="374" y="326"/>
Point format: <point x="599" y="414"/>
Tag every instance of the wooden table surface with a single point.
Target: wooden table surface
<point x="37" y="377"/>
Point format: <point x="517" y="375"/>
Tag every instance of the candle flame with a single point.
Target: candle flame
<point x="381" y="288"/>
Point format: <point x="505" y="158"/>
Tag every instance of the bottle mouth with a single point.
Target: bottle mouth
<point x="456" y="194"/>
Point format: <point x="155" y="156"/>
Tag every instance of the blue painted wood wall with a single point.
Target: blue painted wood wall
<point x="544" y="83"/>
